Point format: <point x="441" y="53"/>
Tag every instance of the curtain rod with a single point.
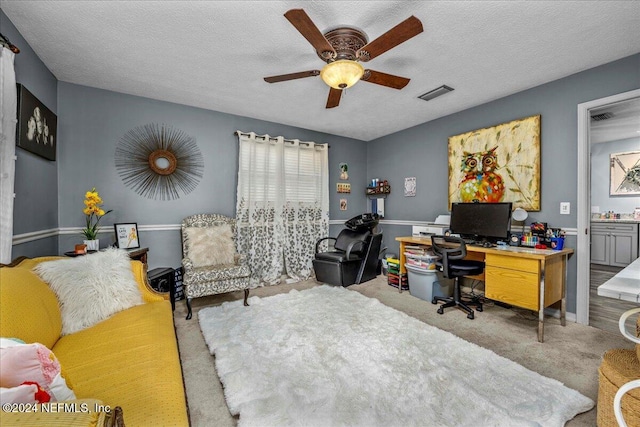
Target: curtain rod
<point x="4" y="41"/>
<point x="271" y="138"/>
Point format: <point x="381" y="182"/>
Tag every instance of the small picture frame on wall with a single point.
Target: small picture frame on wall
<point x="127" y="235"/>
<point x="37" y="127"/>
<point x="410" y="186"/>
<point x="344" y="187"/>
<point x="344" y="171"/>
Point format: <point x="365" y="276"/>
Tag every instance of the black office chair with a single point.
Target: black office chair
<point x="452" y="251"/>
<point x="355" y="255"/>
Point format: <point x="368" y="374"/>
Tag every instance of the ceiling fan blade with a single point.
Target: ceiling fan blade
<point x="334" y="97"/>
<point x="308" y="29"/>
<point x="385" y="79"/>
<point x="292" y="76"/>
<point x="402" y="32"/>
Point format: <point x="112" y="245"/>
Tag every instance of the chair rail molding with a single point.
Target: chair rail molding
<point x="32" y="236"/>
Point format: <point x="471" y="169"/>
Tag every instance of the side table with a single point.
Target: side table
<point x="137" y="254"/>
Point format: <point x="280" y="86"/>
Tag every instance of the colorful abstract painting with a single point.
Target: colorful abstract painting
<point x="497" y="164"/>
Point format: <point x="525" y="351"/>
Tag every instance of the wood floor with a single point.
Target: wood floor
<point x="604" y="312"/>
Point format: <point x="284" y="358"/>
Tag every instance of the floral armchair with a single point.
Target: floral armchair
<point x="209" y="259"/>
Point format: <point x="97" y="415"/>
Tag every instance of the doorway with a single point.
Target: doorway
<point x="584" y="200"/>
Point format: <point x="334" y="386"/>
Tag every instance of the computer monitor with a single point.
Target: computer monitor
<point x="481" y="221"/>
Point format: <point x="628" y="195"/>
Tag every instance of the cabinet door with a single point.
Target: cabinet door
<point x="516" y="287"/>
<point x="624" y="249"/>
<point x="512" y="280"/>
<point x="599" y="247"/>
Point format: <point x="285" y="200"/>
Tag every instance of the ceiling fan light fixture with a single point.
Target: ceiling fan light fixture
<point x="342" y="74"/>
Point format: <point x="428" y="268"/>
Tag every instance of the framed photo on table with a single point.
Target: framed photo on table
<point x="127" y="235"/>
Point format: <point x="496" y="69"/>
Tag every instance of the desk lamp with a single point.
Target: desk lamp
<point x="519" y="215"/>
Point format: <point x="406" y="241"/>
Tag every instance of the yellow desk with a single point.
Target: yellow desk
<point x="524" y="277"/>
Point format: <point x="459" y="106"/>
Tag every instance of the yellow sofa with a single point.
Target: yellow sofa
<point x="129" y="360"/>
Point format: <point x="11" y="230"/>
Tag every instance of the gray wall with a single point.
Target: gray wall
<point x="92" y="121"/>
<point x="600" y="177"/>
<point x="36" y="179"/>
<point x="421" y="151"/>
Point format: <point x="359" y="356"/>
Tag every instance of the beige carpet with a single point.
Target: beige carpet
<point x="570" y="354"/>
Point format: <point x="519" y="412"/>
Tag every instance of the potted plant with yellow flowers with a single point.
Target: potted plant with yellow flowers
<point x="93" y="212"/>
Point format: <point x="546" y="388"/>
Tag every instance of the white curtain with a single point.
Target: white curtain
<point x="8" y="114"/>
<point x="282" y="205"/>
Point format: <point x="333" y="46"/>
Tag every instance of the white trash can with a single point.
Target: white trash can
<point x="426" y="284"/>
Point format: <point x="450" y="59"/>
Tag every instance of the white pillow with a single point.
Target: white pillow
<point x="210" y="246"/>
<point x="91" y="288"/>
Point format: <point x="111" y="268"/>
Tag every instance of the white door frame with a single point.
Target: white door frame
<point x="584" y="199"/>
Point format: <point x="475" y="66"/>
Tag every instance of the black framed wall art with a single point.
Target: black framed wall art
<point x="37" y="125"/>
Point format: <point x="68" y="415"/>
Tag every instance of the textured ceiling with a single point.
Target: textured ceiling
<point x="623" y="122"/>
<point x="214" y="54"/>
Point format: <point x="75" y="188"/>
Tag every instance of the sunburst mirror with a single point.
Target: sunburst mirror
<point x="159" y="161"/>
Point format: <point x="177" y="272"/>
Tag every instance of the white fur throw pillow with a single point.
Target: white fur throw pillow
<point x="209" y="246"/>
<point x="91" y="288"/>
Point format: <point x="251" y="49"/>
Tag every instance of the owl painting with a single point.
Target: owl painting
<point x="480" y="182"/>
<point x="500" y="163"/>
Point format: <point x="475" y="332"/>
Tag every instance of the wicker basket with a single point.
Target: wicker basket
<point x="618" y="367"/>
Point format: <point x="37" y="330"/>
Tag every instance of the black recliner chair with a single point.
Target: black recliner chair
<point x="452" y="250"/>
<point x="354" y="258"/>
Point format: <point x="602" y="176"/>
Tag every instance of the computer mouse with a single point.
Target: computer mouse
<point x="487" y="244"/>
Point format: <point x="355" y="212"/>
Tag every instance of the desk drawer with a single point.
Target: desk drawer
<point x="515" y="287"/>
<point x="513" y="263"/>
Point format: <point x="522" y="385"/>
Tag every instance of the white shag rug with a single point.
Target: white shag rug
<point x="328" y="356"/>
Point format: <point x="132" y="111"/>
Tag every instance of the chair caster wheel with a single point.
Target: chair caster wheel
<point x="440" y="311"/>
<point x="433" y="301"/>
<point x="470" y="316"/>
<point x="479" y="309"/>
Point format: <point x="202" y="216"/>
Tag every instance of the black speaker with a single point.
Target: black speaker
<point x="161" y="279"/>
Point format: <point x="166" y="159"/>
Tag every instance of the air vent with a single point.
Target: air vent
<point x="435" y="93"/>
<point x="600" y="117"/>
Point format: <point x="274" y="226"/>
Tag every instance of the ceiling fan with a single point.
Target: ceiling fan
<point x="343" y="49"/>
